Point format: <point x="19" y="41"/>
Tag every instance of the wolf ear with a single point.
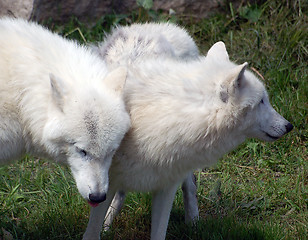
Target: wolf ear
<point x="237" y="76"/>
<point x="233" y="83"/>
<point x="58" y="90"/>
<point x="218" y="51"/>
<point x="115" y="80"/>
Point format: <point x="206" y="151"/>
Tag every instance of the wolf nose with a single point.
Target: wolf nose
<point x="289" y="127"/>
<point x="97" y="197"/>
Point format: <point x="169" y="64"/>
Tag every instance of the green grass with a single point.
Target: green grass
<point x="258" y="191"/>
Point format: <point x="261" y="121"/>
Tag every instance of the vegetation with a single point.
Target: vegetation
<point x="258" y="191"/>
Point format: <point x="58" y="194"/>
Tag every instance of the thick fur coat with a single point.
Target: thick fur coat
<point x="186" y="113"/>
<point x="57" y="100"/>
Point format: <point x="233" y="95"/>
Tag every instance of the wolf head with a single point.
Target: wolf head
<point x="85" y="127"/>
<point x="244" y="99"/>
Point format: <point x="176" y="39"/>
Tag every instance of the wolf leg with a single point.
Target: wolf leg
<point x="114" y="209"/>
<point x="12" y="145"/>
<point x="189" y="189"/>
<point x="97" y="216"/>
<point x="161" y="207"/>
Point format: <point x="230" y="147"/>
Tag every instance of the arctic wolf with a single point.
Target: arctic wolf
<point x="185" y="115"/>
<point x="138" y="42"/>
<point x="58" y="101"/>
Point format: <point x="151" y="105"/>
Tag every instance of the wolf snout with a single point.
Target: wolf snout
<point x="97" y="197"/>
<point x="289" y="127"/>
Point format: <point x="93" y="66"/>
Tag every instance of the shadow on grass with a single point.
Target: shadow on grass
<point x="215" y="228"/>
<point x="52" y="225"/>
<point x="63" y="223"/>
<point x="210" y="228"/>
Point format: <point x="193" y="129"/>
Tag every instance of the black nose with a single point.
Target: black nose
<point x="289" y="127"/>
<point x="97" y="197"/>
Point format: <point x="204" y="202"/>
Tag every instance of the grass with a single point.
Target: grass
<point x="258" y="191"/>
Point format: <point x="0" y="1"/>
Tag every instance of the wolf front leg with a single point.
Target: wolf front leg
<point x="189" y="189"/>
<point x="97" y="216"/>
<point x="114" y="209"/>
<point x="161" y="207"/>
<point x="12" y="144"/>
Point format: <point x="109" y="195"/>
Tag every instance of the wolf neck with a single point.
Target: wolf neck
<point x="192" y="144"/>
<point x="178" y="118"/>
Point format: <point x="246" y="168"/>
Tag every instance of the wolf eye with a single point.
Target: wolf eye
<point x="262" y="101"/>
<point x="82" y="152"/>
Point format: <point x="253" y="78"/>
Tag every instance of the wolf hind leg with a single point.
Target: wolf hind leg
<point x="114" y="209"/>
<point x="189" y="189"/>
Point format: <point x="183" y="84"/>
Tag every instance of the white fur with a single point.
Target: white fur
<point x="185" y="115"/>
<point x="57" y="100"/>
<point x="138" y="41"/>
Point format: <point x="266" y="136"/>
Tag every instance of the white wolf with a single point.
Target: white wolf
<point x="141" y="42"/>
<point x="57" y="100"/>
<point x="185" y="115"/>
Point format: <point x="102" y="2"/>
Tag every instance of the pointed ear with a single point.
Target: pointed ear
<point x="233" y="82"/>
<point x="58" y="90"/>
<point x="237" y="75"/>
<point x="218" y="51"/>
<point x="115" y="80"/>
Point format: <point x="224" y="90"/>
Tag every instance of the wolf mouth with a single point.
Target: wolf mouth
<point x="93" y="204"/>
<point x="273" y="137"/>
